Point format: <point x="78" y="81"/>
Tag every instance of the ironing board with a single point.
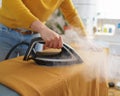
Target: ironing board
<point x="55" y="81"/>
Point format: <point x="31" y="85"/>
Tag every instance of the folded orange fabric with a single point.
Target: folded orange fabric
<point x="30" y="79"/>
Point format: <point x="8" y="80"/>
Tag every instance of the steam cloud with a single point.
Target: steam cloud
<point x="98" y="63"/>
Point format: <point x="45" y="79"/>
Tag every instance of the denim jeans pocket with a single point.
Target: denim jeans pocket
<point x="3" y="29"/>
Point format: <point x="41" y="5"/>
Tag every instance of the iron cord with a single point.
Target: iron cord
<point x="13" y="48"/>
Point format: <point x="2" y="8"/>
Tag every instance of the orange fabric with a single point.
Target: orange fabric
<point x="30" y="79"/>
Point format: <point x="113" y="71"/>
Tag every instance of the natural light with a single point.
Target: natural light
<point x="108" y="9"/>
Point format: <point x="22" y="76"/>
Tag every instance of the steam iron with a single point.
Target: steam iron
<point x="67" y="55"/>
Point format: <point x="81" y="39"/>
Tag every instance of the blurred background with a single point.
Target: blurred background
<point x="101" y="19"/>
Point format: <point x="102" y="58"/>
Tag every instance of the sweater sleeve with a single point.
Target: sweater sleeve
<point x="71" y="14"/>
<point x="21" y="12"/>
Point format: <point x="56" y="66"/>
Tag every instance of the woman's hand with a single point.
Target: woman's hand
<point x="51" y="38"/>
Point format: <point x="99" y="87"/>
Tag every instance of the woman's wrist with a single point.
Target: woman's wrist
<point x="37" y="26"/>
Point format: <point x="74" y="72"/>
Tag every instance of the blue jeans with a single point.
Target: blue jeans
<point x="5" y="91"/>
<point x="9" y="38"/>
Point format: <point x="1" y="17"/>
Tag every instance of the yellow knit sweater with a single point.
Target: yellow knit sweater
<point x="21" y="13"/>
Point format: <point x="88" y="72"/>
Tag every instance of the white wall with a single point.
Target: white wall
<point x="108" y="9"/>
<point x="0" y="2"/>
<point x="86" y="8"/>
<point x="87" y="11"/>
